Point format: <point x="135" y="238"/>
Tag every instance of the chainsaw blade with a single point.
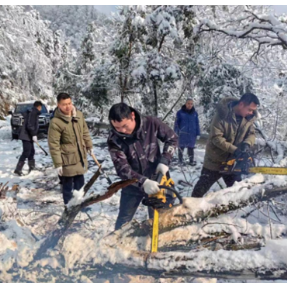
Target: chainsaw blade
<point x="268" y="170"/>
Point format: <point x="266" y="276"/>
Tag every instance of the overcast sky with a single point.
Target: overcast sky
<point x="279" y="9"/>
<point x="107" y="9"/>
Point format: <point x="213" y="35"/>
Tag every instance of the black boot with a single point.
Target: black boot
<point x="191" y="156"/>
<point x="31" y="164"/>
<point x="19" y="168"/>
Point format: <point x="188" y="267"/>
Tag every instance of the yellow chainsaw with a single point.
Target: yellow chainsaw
<point x="163" y="199"/>
<point x="246" y="166"/>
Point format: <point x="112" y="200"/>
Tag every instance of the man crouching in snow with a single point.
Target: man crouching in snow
<point x="231" y="132"/>
<point x="134" y="148"/>
<point x="69" y="141"/>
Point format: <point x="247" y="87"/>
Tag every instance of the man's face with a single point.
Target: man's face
<point x="39" y="108"/>
<point x="246" y="110"/>
<point x="125" y="126"/>
<point x="189" y="105"/>
<point x="66" y="106"/>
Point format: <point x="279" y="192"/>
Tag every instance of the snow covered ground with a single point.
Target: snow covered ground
<point x="39" y="205"/>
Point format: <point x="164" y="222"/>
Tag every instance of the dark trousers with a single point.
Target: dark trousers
<point x="209" y="177"/>
<point x="190" y="151"/>
<point x="128" y="206"/>
<point x="69" y="184"/>
<point x="28" y="151"/>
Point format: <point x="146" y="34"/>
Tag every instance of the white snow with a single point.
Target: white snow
<point x="39" y="202"/>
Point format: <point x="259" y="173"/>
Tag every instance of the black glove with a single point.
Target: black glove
<point x="243" y="151"/>
<point x="245" y="147"/>
<point x="243" y="159"/>
<point x="237" y="153"/>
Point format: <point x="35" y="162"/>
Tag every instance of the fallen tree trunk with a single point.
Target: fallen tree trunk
<point x="217" y="264"/>
<point x="109" y="270"/>
<point x="134" y="240"/>
<point x="191" y="212"/>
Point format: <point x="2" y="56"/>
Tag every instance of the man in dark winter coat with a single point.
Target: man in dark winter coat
<point x="135" y="152"/>
<point x="232" y="133"/>
<point x="28" y="135"/>
<point x="186" y="127"/>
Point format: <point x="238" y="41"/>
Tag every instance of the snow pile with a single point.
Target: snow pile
<point x="8" y="208"/>
<point x="5" y="129"/>
<point x="78" y="198"/>
<point x="17" y="245"/>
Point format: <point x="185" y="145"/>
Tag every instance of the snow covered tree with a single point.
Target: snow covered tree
<point x="27" y="55"/>
<point x="73" y="20"/>
<point x="219" y="81"/>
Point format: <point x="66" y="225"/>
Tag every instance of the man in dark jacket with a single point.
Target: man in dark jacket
<point x="232" y="133"/>
<point x="135" y="152"/>
<point x="28" y="135"/>
<point x="186" y="127"/>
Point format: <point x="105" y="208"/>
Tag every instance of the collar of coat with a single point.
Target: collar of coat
<point x="36" y="111"/>
<point x="225" y="110"/>
<point x="67" y="119"/>
<point x="192" y="110"/>
<point x="137" y="131"/>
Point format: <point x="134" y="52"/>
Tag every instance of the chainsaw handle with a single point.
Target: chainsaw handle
<point x="157" y="177"/>
<point x="173" y="190"/>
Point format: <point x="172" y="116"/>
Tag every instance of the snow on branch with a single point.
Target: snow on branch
<point x="264" y="29"/>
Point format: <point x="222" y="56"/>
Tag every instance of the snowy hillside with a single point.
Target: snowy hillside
<point x="30" y="53"/>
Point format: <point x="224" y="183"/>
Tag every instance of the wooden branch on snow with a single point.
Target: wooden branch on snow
<point x="70" y="213"/>
<point x="4" y="188"/>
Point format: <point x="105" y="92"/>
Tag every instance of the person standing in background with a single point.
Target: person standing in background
<point x="28" y="135"/>
<point x="186" y="126"/>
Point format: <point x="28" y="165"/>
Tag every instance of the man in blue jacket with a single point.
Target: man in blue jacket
<point x="186" y="126"/>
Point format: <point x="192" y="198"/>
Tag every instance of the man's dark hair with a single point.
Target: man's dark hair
<point x="63" y="96"/>
<point x="120" y="111"/>
<point x="249" y="98"/>
<point x="37" y="104"/>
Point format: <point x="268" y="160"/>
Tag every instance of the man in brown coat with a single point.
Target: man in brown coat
<point x="69" y="141"/>
<point x="232" y="132"/>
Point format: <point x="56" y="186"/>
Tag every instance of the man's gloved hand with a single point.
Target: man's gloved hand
<point x="34" y="139"/>
<point x="243" y="151"/>
<point x="162" y="168"/>
<point x="59" y="170"/>
<point x="90" y="151"/>
<point x="150" y="186"/>
<point x="198" y="137"/>
<point x="245" y="147"/>
<point x="237" y="153"/>
<point x="243" y="157"/>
